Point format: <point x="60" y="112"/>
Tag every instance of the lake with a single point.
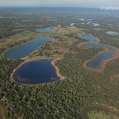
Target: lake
<point x="95" y="24"/>
<point x="36" y="72"/>
<point x="72" y="25"/>
<point x="95" y="63"/>
<point x="24" y="50"/>
<point x="112" y="33"/>
<point x="19" y="34"/>
<point x="44" y="30"/>
<point x="97" y="45"/>
<point x="57" y="34"/>
<point x="89" y="37"/>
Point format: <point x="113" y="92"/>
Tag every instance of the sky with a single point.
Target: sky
<point x="67" y="3"/>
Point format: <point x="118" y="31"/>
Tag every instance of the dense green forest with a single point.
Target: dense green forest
<point x="65" y="98"/>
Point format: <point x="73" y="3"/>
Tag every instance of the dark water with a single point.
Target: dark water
<point x="97" y="61"/>
<point x="89" y="37"/>
<point x="57" y="34"/>
<point x="19" y="34"/>
<point x="25" y="49"/>
<point x="89" y="45"/>
<point x="45" y="30"/>
<point x="112" y="33"/>
<point x="36" y="72"/>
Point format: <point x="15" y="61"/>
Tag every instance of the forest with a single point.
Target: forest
<point x="62" y="99"/>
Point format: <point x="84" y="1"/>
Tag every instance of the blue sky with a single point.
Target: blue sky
<point x="90" y="3"/>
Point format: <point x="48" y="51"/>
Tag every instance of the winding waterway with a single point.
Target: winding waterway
<point x="44" y="30"/>
<point x="97" y="62"/>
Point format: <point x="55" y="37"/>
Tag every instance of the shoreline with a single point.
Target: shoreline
<point x="57" y="69"/>
<point x="52" y="63"/>
<point x="23" y="44"/>
<point x="98" y="40"/>
<point x="103" y="63"/>
<point x="99" y="106"/>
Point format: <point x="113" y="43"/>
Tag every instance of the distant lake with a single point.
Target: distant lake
<point x="81" y="19"/>
<point x="72" y="25"/>
<point x="89" y="37"/>
<point x="36" y="72"/>
<point x="24" y="50"/>
<point x="82" y="23"/>
<point x="19" y="34"/>
<point x="57" y="34"/>
<point x="88" y="22"/>
<point x="45" y="30"/>
<point x="96" y="62"/>
<point x="94" y="24"/>
<point x="26" y="20"/>
<point x="97" y="45"/>
<point x="112" y="33"/>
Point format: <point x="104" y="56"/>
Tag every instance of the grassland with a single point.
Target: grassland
<point x="99" y="112"/>
<point x="2" y="112"/>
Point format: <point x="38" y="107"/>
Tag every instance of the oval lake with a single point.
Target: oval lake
<point x="35" y="72"/>
<point x="88" y="37"/>
<point x="96" y="62"/>
<point x="24" y="50"/>
<point x="44" y="30"/>
<point x="112" y="33"/>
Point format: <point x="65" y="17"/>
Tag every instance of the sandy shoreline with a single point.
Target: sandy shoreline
<point x="23" y="44"/>
<point x="98" y="40"/>
<point x="103" y="63"/>
<point x="57" y="70"/>
<point x="102" y="66"/>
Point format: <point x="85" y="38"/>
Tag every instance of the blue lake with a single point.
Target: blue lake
<point x="81" y="19"/>
<point x="19" y="34"/>
<point x="97" y="61"/>
<point x="112" y="33"/>
<point x="45" y="30"/>
<point x="94" y="24"/>
<point x="89" y="45"/>
<point x="89" y="37"/>
<point x="57" y="34"/>
<point x="24" y="50"/>
<point x="36" y="72"/>
<point x="72" y="24"/>
<point x="88" y="22"/>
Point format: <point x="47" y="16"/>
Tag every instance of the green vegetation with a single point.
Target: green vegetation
<point x="99" y="112"/>
<point x="62" y="99"/>
<point x="100" y="115"/>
